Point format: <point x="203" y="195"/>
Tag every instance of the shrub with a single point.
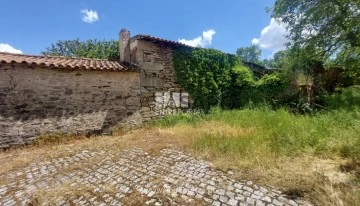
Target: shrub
<point x="213" y="78"/>
<point x="204" y="73"/>
<point x="346" y="98"/>
<point x="240" y="88"/>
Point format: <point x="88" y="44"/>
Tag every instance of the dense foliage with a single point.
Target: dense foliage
<point x="249" y="54"/>
<point x="205" y="74"/>
<point x="277" y="61"/>
<point x="347" y="98"/>
<point x="93" y="48"/>
<point x="324" y="30"/>
<point x="216" y="79"/>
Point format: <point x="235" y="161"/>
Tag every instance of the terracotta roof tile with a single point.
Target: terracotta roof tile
<point x="66" y="62"/>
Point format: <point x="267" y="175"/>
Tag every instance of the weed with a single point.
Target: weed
<point x="300" y="153"/>
<point x="56" y="138"/>
<point x="182" y="118"/>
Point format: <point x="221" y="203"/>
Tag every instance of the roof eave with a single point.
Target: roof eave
<point x="159" y="40"/>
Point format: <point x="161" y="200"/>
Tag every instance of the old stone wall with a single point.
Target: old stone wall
<point x="35" y="101"/>
<point x="160" y="93"/>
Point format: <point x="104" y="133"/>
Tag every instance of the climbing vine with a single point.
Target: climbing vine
<point x="213" y="78"/>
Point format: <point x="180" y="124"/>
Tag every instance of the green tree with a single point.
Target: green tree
<point x="93" y="48"/>
<point x="249" y="54"/>
<point x="278" y="60"/>
<point x="323" y="29"/>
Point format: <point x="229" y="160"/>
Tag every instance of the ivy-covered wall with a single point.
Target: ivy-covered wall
<point x="213" y="78"/>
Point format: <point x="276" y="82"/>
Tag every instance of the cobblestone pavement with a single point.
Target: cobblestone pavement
<point x="132" y="177"/>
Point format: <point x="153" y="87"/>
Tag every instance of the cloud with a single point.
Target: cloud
<point x="273" y="37"/>
<point x="89" y="16"/>
<point x="8" y="48"/>
<point x="201" y="41"/>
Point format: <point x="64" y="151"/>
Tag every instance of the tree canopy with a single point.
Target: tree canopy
<point x="249" y="54"/>
<point x="277" y="62"/>
<point x="93" y="48"/>
<point x="323" y="29"/>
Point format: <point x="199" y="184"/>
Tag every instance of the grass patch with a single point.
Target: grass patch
<point x="56" y="138"/>
<point x="183" y="118"/>
<point x="311" y="156"/>
<point x="285" y="134"/>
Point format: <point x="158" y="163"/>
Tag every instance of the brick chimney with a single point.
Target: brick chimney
<point x="124" y="45"/>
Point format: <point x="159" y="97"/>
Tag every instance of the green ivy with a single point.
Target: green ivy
<point x="216" y="79"/>
<point x="272" y="86"/>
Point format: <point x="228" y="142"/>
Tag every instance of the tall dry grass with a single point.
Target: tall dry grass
<point x="302" y="154"/>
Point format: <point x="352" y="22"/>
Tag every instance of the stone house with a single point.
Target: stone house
<point x="41" y="94"/>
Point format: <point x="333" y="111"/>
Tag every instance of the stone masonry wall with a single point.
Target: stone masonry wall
<point x="35" y="101"/>
<point x="160" y="93"/>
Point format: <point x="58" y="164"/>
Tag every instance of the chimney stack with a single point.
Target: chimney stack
<point x="124" y="45"/>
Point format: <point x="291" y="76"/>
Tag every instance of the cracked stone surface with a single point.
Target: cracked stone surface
<point x="131" y="177"/>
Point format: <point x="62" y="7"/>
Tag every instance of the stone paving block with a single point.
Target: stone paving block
<point x="260" y="203"/>
<point x="211" y="188"/>
<point x="250" y="201"/>
<point x="238" y="185"/>
<point x="231" y="195"/>
<point x="215" y="197"/>
<point x="232" y="202"/>
<point x="220" y="191"/>
<point x="277" y="202"/>
<point x="170" y="175"/>
<point x="216" y="203"/>
<point x="249" y="189"/>
<point x="223" y="199"/>
<point x="266" y="199"/>
<point x="256" y="197"/>
<point x="240" y="198"/>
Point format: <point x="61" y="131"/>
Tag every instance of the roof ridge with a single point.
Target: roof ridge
<point x="154" y="38"/>
<point x="51" y="56"/>
<point x="67" y="62"/>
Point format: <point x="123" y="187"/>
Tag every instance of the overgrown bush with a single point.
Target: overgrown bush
<point x="240" y="88"/>
<point x="272" y="86"/>
<point x="213" y="79"/>
<point x="204" y="73"/>
<point x="346" y="98"/>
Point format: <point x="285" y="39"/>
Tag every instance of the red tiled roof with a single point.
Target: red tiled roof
<point x="65" y="62"/>
<point x="156" y="39"/>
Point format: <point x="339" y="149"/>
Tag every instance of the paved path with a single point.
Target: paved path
<point x="133" y="177"/>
